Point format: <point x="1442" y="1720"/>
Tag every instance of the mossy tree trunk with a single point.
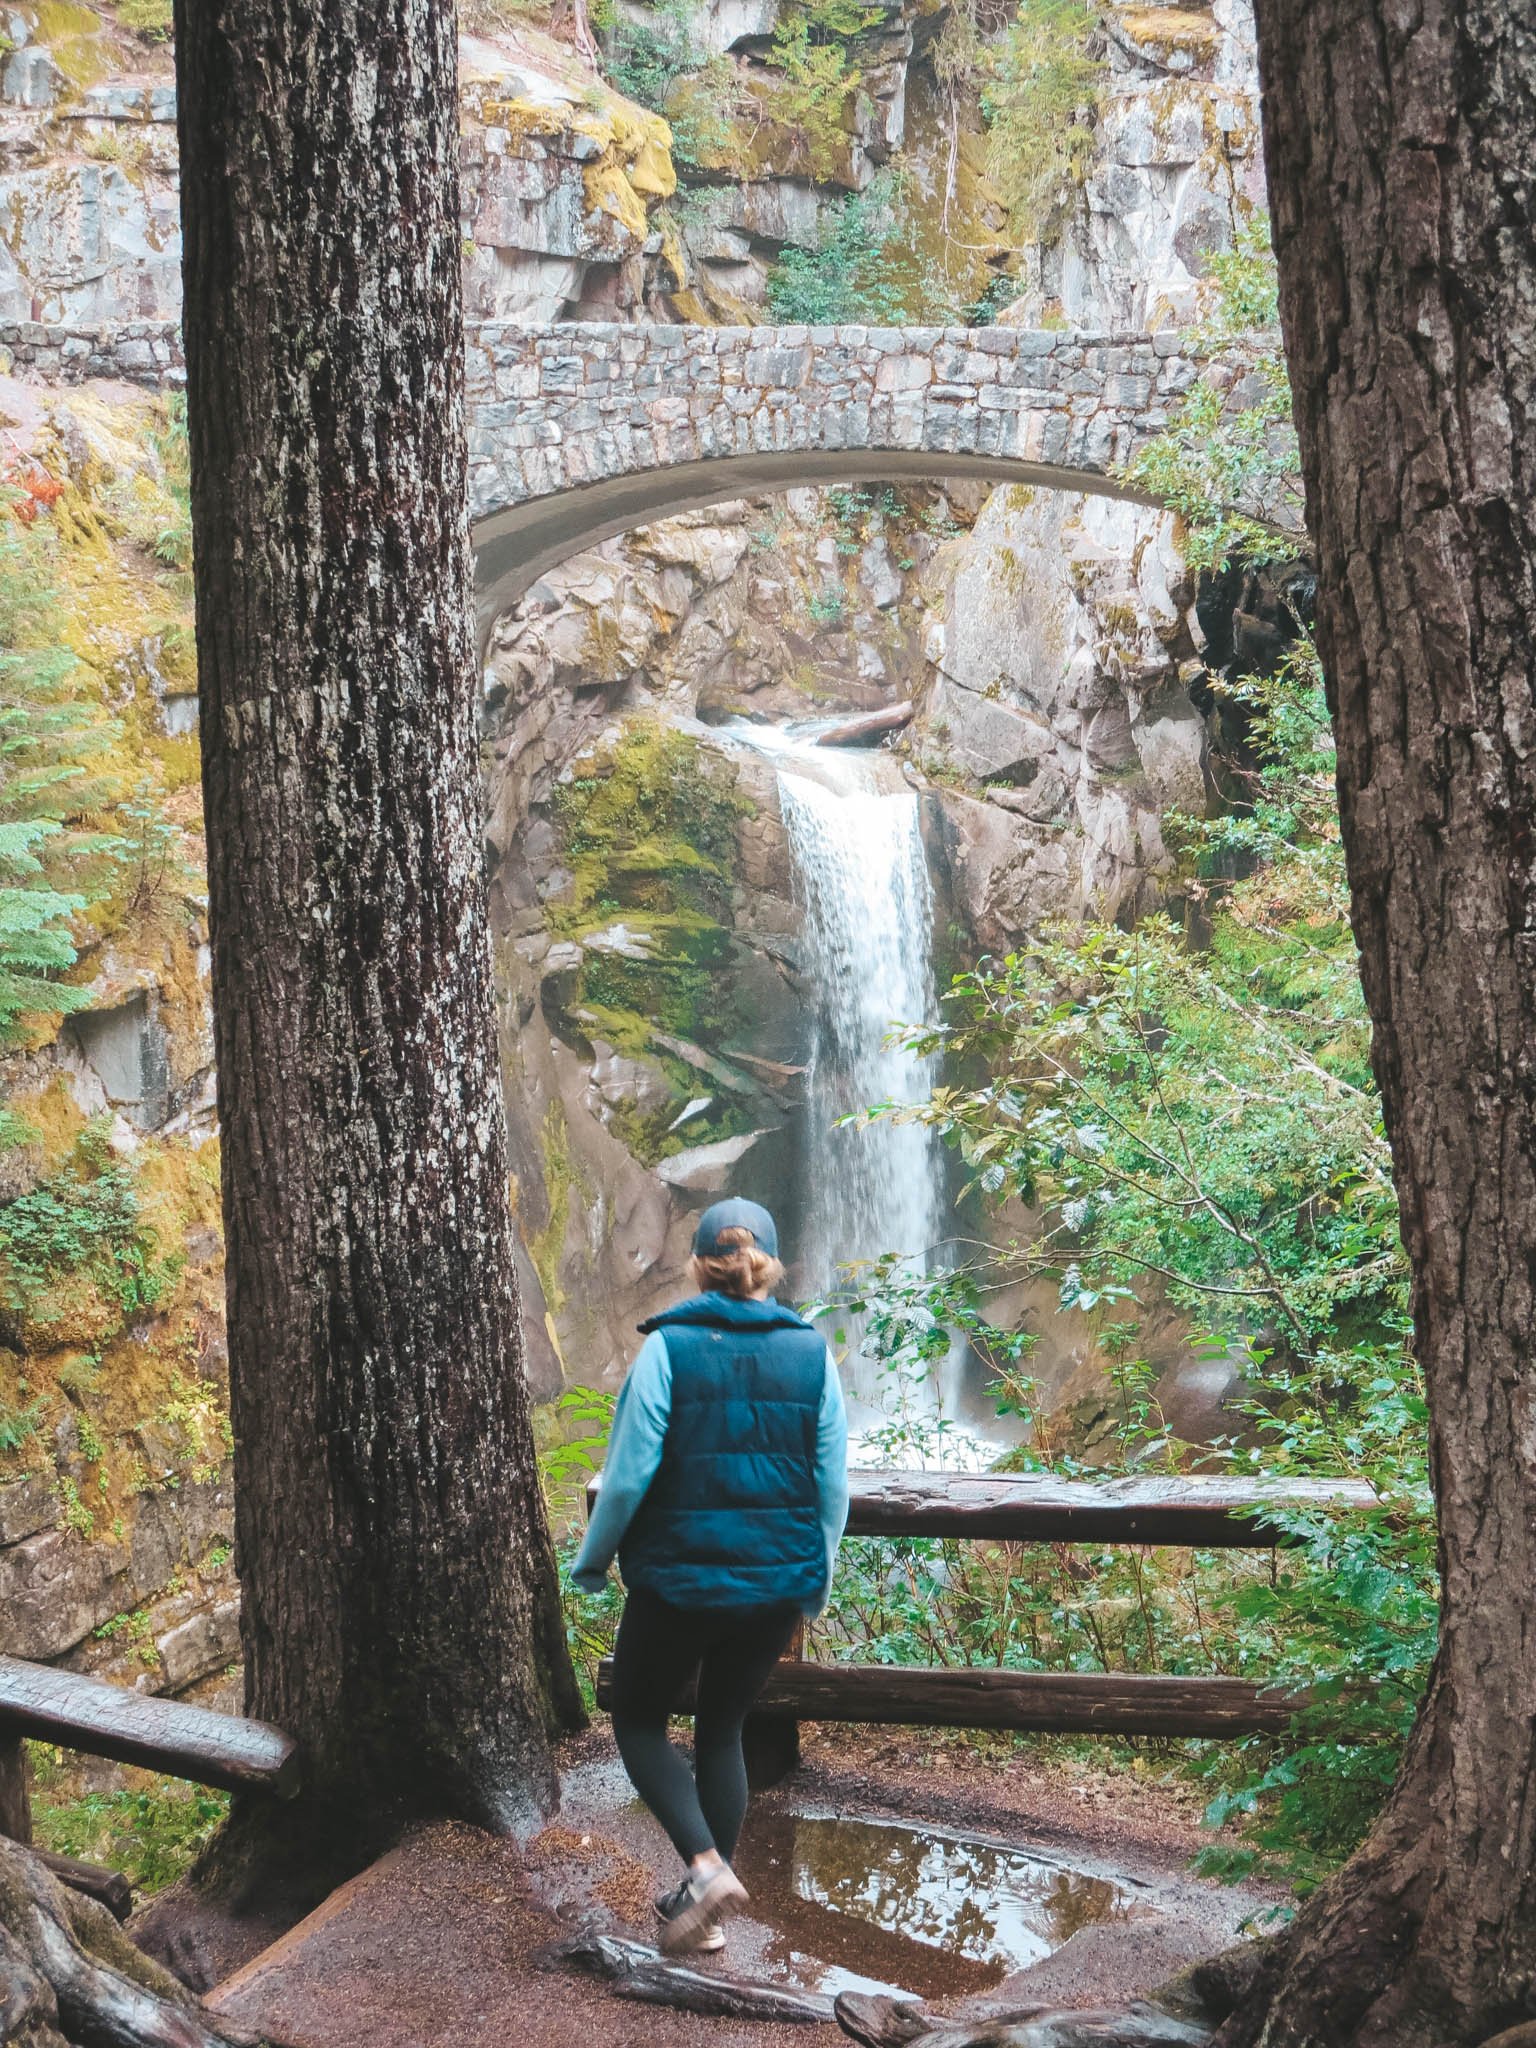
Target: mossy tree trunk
<point x="401" y="1614"/>
<point x="1399" y="147"/>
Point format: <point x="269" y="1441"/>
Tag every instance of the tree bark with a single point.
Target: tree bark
<point x="401" y="1615"/>
<point x="1398" y="140"/>
<point x="15" y="1789"/>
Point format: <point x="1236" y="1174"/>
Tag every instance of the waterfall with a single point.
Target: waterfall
<point x="859" y="863"/>
<point x="861" y="873"/>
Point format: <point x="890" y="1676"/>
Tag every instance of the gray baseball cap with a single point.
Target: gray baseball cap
<point x="735" y="1214"/>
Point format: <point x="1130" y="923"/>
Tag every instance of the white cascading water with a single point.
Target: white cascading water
<point x="862" y="873"/>
<point x="859" y="861"/>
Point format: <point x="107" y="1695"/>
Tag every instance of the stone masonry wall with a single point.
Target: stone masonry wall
<point x="570" y="405"/>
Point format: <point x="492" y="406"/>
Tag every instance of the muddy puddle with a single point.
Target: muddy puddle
<point x="860" y="1902"/>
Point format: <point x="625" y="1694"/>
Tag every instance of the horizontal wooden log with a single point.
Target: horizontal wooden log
<point x="108" y="1888"/>
<point x="1201" y="1510"/>
<point x="137" y="1728"/>
<point x="1047" y="1702"/>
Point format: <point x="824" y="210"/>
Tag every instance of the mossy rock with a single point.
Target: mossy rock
<point x="648" y="834"/>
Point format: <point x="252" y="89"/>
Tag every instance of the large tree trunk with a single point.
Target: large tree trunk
<point x="401" y="1614"/>
<point x="1399" y="142"/>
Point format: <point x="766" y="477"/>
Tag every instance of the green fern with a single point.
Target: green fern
<point x="55" y="740"/>
<point x="1040" y="95"/>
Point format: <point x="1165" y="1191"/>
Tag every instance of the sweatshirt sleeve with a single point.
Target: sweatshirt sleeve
<point x="634" y="1452"/>
<point x="832" y="1467"/>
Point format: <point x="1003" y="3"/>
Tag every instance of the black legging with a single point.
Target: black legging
<point x="733" y="1649"/>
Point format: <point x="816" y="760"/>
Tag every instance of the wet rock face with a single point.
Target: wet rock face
<point x="558" y="178"/>
<point x="1057" y="718"/>
<point x="1176" y="167"/>
<point x="158" y="1608"/>
<point x="559" y="174"/>
<point x="560" y="171"/>
<point x="764" y="610"/>
<point x="1067" y="641"/>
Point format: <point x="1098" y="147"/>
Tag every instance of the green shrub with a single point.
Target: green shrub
<point x="828" y="607"/>
<point x="850" y="276"/>
<point x="55" y="739"/>
<point x="1200" y="1125"/>
<point x="815" y="54"/>
<point x="645" y="59"/>
<point x="1227" y="474"/>
<point x="151" y="1836"/>
<point x="18" y="1424"/>
<point x="1040" y="89"/>
<point x="152" y="19"/>
<point x="868" y="266"/>
<point x="82" y="1219"/>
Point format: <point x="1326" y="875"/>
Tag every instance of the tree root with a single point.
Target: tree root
<point x="889" y="2023"/>
<point x="71" y="1978"/>
<point x="641" y="1973"/>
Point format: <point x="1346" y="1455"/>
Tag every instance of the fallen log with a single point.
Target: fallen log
<point x="867" y="728"/>
<point x="886" y="2023"/>
<point x="69" y="1974"/>
<point x="108" y="1888"/>
<point x="779" y="1072"/>
<point x="138" y="1728"/>
<point x="642" y="1973"/>
<point x="1047" y="1702"/>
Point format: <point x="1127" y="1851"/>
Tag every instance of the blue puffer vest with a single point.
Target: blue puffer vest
<point x="732" y="1517"/>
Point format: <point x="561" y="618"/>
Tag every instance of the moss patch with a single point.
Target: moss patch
<point x="110" y="1318"/>
<point x="561" y="1180"/>
<point x="1171" y="28"/>
<point x="111" y="1287"/>
<point x="648" y="833"/>
<point x="73" y="35"/>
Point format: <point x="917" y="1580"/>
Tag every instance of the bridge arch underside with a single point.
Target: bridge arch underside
<point x="518" y="544"/>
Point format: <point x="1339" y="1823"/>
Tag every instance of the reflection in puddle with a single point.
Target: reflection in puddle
<point x="992" y="1904"/>
<point x="927" y="1911"/>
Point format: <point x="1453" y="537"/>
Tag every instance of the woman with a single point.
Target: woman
<point x="724" y="1498"/>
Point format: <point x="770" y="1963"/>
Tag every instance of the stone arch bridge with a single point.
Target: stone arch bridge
<point x="578" y="432"/>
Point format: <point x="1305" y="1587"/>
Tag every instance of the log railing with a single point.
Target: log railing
<point x="132" y="1728"/>
<point x="1202" y="1511"/>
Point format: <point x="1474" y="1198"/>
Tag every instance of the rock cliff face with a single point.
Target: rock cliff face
<point x="566" y="181"/>
<point x="115" y="1510"/>
<point x="1175" y="167"/>
<point x="1057" y="712"/>
<point x="1066" y="639"/>
<point x="653" y="1015"/>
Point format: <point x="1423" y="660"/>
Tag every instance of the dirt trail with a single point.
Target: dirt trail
<point x="432" y="1948"/>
